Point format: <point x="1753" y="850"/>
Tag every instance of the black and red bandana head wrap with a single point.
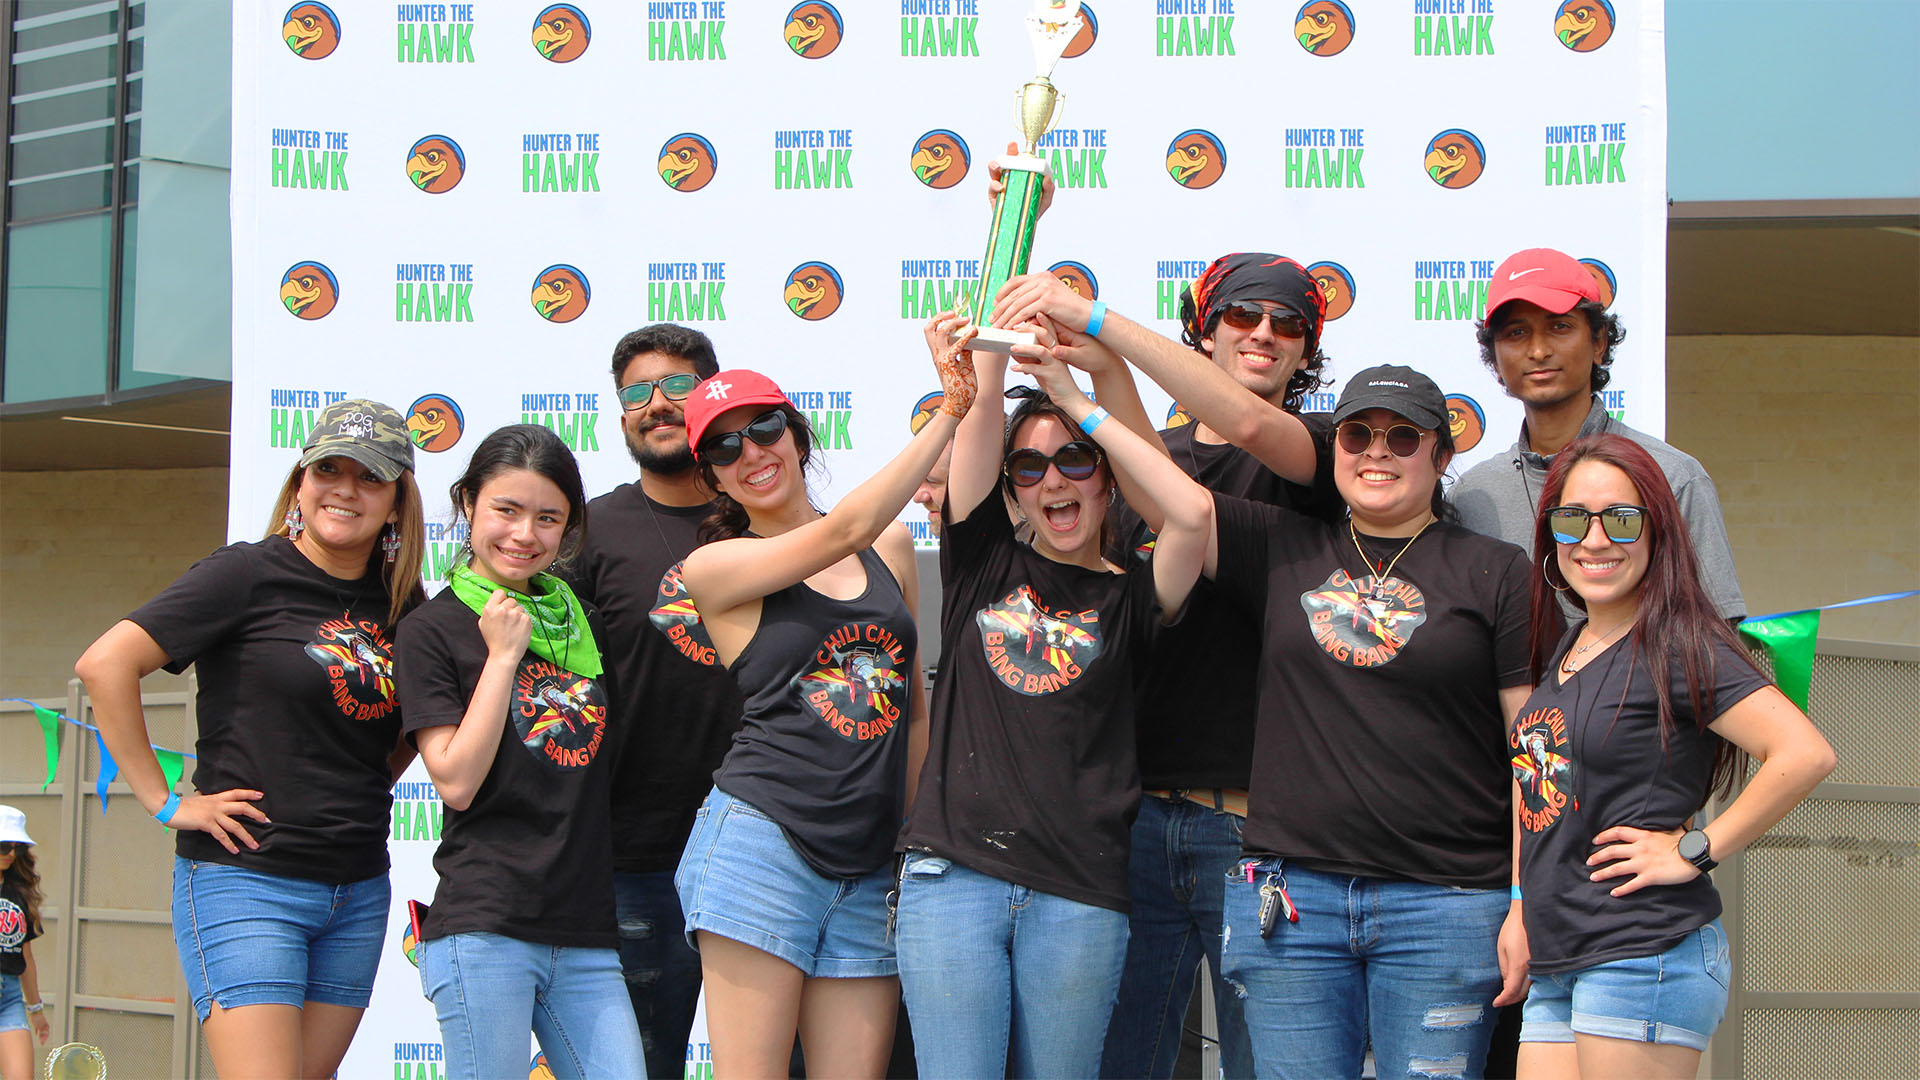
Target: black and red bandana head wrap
<point x="1252" y="276"/>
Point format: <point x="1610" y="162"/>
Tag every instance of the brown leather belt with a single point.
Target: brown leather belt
<point x="1226" y="800"/>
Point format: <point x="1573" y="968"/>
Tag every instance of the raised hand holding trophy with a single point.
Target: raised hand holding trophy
<point x="1051" y="26"/>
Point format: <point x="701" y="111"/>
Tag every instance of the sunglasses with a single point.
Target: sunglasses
<point x="1403" y="440"/>
<point x="1622" y="523"/>
<point x="1078" y="460"/>
<point x="676" y="387"/>
<point x="1246" y="315"/>
<point x="764" y="430"/>
<point x="12" y="847"/>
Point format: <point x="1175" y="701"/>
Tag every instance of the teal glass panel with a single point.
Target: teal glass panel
<point x="57" y="295"/>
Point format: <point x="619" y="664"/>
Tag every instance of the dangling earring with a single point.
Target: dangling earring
<point x="390" y="541"/>
<point x="1544" y="560"/>
<point x="295" y="523"/>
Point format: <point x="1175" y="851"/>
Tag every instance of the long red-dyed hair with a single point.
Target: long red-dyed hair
<point x="1677" y="621"/>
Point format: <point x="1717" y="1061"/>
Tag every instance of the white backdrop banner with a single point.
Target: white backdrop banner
<point x="458" y="209"/>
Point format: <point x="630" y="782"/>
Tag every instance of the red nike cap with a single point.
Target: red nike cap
<point x="1553" y="279"/>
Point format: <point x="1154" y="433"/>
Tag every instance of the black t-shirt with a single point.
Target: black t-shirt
<point x="531" y="856"/>
<point x="1195" y="725"/>
<point x="15" y="930"/>
<point x="679" y="707"/>
<point x="296" y="701"/>
<point x="822" y="749"/>
<point x="1587" y="755"/>
<point x="1388" y="756"/>
<point x="1030" y="773"/>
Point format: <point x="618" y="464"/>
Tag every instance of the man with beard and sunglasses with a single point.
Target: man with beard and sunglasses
<point x="682" y="706"/>
<point x="1257" y="317"/>
<point x="1548" y="339"/>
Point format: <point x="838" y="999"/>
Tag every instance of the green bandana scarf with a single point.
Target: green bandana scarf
<point x="560" y="630"/>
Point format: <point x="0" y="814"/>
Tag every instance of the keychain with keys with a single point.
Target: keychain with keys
<point x="1274" y="901"/>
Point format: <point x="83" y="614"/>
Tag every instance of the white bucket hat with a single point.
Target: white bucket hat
<point x="13" y="826"/>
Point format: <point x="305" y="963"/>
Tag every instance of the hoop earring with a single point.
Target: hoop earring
<point x="295" y="523"/>
<point x="1544" y="560"/>
<point x="390" y="542"/>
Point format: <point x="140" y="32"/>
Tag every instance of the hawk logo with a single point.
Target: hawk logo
<point x="309" y="290"/>
<point x="1178" y="416"/>
<point x="435" y="424"/>
<point x="813" y="291"/>
<point x="1455" y="158"/>
<point x="924" y="409"/>
<point x="675" y="616"/>
<point x="1466" y="420"/>
<point x="1583" y="25"/>
<point x="1089" y="33"/>
<point x="436" y="164"/>
<point x="561" y="33"/>
<point x="561" y="717"/>
<point x="1076" y="276"/>
<point x="1036" y="651"/>
<point x="1196" y="159"/>
<point x="814" y="29"/>
<point x="1336" y="287"/>
<point x="1542" y="767"/>
<point x="312" y="31"/>
<point x="858" y="685"/>
<point x="358" y="662"/>
<point x="688" y="162"/>
<point x="1364" y="622"/>
<point x="561" y="293"/>
<point x="1603" y="277"/>
<point x="940" y="159"/>
<point x="1324" y="27"/>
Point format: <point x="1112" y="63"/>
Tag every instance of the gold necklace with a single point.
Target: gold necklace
<point x="1379" y="591"/>
<point x="1566" y="662"/>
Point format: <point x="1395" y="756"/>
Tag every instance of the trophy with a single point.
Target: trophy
<point x="76" y="1061"/>
<point x="1051" y="26"/>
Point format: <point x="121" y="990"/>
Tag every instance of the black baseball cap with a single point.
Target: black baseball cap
<point x="1397" y="388"/>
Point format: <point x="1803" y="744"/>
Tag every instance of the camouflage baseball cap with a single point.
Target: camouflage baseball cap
<point x="366" y="431"/>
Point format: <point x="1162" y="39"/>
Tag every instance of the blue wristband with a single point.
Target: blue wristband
<point x="1094" y="419"/>
<point x="1099" y="316"/>
<point x="165" y="813"/>
<point x="1516" y="892"/>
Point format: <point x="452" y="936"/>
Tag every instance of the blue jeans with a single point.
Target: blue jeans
<point x="661" y="969"/>
<point x="1000" y="979"/>
<point x="488" y="990"/>
<point x="251" y="938"/>
<point x="1410" y="964"/>
<point x="1182" y="853"/>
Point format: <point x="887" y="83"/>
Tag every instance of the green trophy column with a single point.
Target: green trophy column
<point x="1015" y="212"/>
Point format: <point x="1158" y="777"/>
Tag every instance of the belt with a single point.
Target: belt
<point x="1226" y="800"/>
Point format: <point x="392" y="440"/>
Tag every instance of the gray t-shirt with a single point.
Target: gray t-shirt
<point x="1497" y="498"/>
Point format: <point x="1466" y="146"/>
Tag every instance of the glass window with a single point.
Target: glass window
<point x="91" y="190"/>
<point x="57" y="308"/>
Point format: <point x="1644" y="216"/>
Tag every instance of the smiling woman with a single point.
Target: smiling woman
<point x="280" y="880"/>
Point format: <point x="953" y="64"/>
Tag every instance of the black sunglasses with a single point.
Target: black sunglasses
<point x="1077" y="460"/>
<point x="1623" y="523"/>
<point x="676" y="387"/>
<point x="1403" y="440"/>
<point x="764" y="430"/>
<point x="1246" y="315"/>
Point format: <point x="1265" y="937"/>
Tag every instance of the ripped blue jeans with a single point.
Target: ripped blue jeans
<point x="1411" y="965"/>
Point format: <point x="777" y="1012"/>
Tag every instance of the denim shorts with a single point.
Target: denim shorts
<point x="251" y="938"/>
<point x="1677" y="997"/>
<point x="741" y="879"/>
<point x="13" y="1007"/>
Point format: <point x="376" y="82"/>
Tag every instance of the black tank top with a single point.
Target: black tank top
<point x="822" y="749"/>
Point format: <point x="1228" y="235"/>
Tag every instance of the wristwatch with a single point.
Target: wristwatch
<point x="1697" y="849"/>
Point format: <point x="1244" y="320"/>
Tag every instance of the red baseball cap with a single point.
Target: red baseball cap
<point x="1553" y="279"/>
<point x="726" y="390"/>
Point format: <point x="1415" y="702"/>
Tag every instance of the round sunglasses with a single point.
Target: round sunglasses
<point x="1403" y="440"/>
<point x="676" y="387"/>
<point x="1077" y="460"/>
<point x="764" y="430"/>
<point x="1246" y="315"/>
<point x="1622" y="522"/>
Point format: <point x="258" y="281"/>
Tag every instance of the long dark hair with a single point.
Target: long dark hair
<point x="1677" y="621"/>
<point x="728" y="518"/>
<point x="537" y="450"/>
<point x="25" y="879"/>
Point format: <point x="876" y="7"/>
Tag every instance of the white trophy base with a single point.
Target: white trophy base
<point x="993" y="339"/>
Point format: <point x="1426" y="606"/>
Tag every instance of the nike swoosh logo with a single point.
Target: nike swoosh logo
<point x="1518" y="274"/>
